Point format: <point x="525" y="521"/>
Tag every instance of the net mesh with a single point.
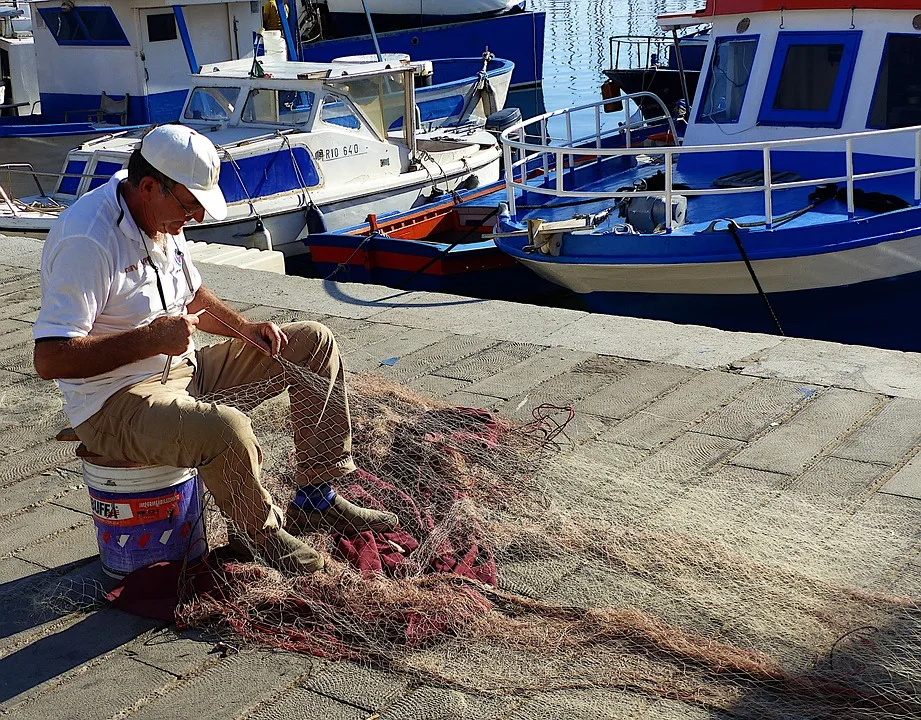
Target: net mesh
<point x="525" y="562"/>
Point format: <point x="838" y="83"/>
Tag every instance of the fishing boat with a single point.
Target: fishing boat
<point x="347" y="17"/>
<point x="444" y="245"/>
<point x="438" y="247"/>
<point x="305" y="147"/>
<point x="667" y="66"/>
<point x="425" y="30"/>
<point x="126" y="63"/>
<point x="792" y="205"/>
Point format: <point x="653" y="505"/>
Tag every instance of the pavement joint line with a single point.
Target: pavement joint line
<point x="34" y="506"/>
<point x="41" y="539"/>
<point x="175" y="683"/>
<point x="52" y="627"/>
<point x="279" y="693"/>
<point x="66" y="676"/>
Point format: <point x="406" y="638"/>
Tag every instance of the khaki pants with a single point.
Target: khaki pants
<point x="159" y="424"/>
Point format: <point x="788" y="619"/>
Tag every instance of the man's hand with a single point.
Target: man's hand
<point x="172" y="333"/>
<point x="270" y="338"/>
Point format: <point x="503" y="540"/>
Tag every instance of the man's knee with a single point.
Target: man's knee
<point x="306" y="339"/>
<point x="224" y="428"/>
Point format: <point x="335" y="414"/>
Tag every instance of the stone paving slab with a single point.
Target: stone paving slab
<point x="791" y="423"/>
<point x="826" y="418"/>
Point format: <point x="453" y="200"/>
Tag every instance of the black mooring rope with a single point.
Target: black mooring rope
<point x="733" y="230"/>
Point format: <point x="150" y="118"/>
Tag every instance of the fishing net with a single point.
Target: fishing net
<point x="526" y="562"/>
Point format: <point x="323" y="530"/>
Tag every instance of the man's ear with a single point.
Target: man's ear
<point x="148" y="186"/>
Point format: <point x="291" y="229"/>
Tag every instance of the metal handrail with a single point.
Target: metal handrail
<point x="528" y="151"/>
<point x="25" y="169"/>
<point x="638" y="42"/>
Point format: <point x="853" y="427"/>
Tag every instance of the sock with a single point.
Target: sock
<point x="314" y="497"/>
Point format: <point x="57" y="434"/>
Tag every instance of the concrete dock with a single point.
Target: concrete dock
<point x="799" y="423"/>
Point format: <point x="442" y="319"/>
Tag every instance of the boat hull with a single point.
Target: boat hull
<point x="864" y="295"/>
<point x="518" y="37"/>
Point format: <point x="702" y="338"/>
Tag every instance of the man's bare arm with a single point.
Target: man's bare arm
<point x="84" y="357"/>
<point x="206" y="300"/>
<point x="222" y="319"/>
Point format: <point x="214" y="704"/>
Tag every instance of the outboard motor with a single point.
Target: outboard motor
<point x="502" y="120"/>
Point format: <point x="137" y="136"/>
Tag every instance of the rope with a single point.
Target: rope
<point x="732" y="228"/>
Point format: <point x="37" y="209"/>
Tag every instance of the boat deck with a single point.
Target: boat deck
<point x="747" y="208"/>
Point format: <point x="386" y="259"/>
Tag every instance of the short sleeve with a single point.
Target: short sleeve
<point x="76" y="278"/>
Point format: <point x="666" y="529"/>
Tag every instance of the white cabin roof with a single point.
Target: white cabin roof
<point x="281" y="69"/>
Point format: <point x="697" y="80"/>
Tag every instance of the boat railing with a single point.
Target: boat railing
<point x="528" y="144"/>
<point x="10" y="169"/>
<point x="638" y="51"/>
<point x="549" y="151"/>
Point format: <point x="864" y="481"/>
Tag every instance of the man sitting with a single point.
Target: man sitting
<point x="120" y="302"/>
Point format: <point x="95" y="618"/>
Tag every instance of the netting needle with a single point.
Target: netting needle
<point x="169" y="359"/>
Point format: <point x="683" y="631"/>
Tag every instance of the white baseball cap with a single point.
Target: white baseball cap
<point x="188" y="158"/>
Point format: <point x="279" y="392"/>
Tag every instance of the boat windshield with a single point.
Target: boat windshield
<point x="211" y="103"/>
<point x="278" y="107"/>
<point x="379" y="97"/>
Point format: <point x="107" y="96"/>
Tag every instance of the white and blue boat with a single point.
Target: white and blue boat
<point x="139" y="58"/>
<point x="793" y="205"/>
<point x="305" y="147"/>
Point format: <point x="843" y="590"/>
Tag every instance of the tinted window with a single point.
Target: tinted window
<point x="84" y="26"/>
<point x="727" y="80"/>
<point x="809" y="79"/>
<point x="897" y="98"/>
<point x="161" y="27"/>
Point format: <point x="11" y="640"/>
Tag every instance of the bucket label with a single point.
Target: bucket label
<point x="136" y="511"/>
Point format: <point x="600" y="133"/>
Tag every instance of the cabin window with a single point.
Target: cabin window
<point x="336" y="112"/>
<point x="211" y="103"/>
<point x="102" y="172"/>
<point x="72" y="177"/>
<point x="727" y="80"/>
<point x="897" y="97"/>
<point x="278" y="107"/>
<point x="809" y="79"/>
<point x="161" y="27"/>
<point x="84" y="26"/>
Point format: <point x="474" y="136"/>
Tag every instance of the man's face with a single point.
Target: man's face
<point x="169" y="209"/>
<point x="185" y="208"/>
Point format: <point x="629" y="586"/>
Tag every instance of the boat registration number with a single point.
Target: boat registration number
<point x="340" y="151"/>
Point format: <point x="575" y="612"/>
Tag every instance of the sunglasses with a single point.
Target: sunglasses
<point x="189" y="214"/>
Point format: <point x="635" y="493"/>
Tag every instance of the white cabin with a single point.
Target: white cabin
<point x="780" y="70"/>
<point x="144" y="49"/>
<point x="18" y="83"/>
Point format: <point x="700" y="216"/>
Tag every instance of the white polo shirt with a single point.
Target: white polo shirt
<point x="96" y="280"/>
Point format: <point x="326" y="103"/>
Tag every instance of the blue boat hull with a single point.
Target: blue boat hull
<point x="518" y="37"/>
<point x="347" y="24"/>
<point x="881" y="313"/>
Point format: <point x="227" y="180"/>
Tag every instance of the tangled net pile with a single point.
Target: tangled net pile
<point x="538" y="568"/>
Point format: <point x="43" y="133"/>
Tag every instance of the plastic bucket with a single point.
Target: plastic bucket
<point x="144" y="515"/>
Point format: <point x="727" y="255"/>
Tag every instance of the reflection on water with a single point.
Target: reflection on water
<point x="576" y="41"/>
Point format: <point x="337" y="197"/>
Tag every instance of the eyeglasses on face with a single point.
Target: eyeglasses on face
<point x="189" y="214"/>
